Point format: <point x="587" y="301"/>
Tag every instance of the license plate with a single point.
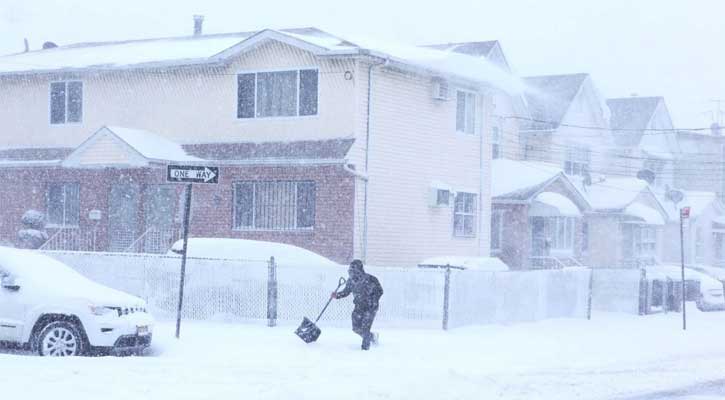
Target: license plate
<point x="142" y="330"/>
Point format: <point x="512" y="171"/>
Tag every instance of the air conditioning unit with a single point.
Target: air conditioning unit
<point x="439" y="197"/>
<point x="440" y="89"/>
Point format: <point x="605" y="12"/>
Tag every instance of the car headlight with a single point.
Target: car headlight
<point x="103" y="310"/>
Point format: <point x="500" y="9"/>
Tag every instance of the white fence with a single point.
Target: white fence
<point x="243" y="290"/>
<point x="616" y="290"/>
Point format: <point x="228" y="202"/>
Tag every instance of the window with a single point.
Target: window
<point x="585" y="236"/>
<point x="274" y="205"/>
<point x="577" y="161"/>
<point x="496" y="143"/>
<point x="639" y="241"/>
<point x="465" y="112"/>
<point x="277" y="94"/>
<point x="562" y="233"/>
<point x="64" y="204"/>
<point x="464" y="215"/>
<point x="497" y="218"/>
<point x="66" y="102"/>
<point x="443" y="197"/>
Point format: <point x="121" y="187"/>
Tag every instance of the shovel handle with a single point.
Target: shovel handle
<point x="340" y="283"/>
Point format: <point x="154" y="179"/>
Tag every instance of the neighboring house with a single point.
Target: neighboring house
<point x="625" y="227"/>
<point x="567" y="124"/>
<point x="645" y="140"/>
<point x="538" y="216"/>
<point x="704" y="231"/>
<point x="378" y="151"/>
<point x="701" y="167"/>
<point x="504" y="130"/>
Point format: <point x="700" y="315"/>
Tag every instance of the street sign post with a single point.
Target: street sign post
<point x="189" y="174"/>
<point x="684" y="214"/>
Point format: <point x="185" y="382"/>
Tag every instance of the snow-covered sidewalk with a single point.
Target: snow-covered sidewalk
<point x="612" y="356"/>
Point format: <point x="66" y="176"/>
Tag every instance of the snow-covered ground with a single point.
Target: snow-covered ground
<point x="611" y="356"/>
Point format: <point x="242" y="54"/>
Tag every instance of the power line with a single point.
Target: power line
<point x="555" y="124"/>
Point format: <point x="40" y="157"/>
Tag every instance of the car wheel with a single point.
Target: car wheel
<point x="60" y="339"/>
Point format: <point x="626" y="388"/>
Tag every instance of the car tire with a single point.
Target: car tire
<point x="60" y="339"/>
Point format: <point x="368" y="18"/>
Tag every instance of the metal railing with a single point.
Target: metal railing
<point x="71" y="239"/>
<point x="155" y="241"/>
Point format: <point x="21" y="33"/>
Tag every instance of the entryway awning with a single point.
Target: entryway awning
<point x="647" y="214"/>
<point x="551" y="204"/>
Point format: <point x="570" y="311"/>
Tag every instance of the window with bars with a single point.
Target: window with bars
<point x="465" y="112"/>
<point x="63" y="204"/>
<point x="66" y="102"/>
<point x="277" y="94"/>
<point x="464" y="215"/>
<point x="274" y="205"/>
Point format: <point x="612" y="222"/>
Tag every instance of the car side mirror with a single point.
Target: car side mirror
<point x="8" y="282"/>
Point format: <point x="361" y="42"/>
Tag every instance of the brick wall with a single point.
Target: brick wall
<point x="22" y="189"/>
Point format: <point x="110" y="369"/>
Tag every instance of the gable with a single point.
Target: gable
<point x="104" y="149"/>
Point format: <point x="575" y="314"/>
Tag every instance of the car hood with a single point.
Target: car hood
<point x="81" y="289"/>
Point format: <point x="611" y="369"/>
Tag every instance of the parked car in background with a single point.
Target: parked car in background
<point x="713" y="292"/>
<point x="53" y="310"/>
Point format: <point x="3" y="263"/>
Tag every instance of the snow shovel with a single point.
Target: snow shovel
<point x="308" y="331"/>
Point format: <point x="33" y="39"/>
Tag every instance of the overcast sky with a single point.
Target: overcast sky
<point x="672" y="48"/>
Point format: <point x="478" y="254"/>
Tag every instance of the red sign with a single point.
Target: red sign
<point x="685" y="212"/>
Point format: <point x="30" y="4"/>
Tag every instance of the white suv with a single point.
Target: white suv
<point x="50" y="308"/>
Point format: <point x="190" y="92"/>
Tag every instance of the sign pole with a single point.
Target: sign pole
<point x="187" y="213"/>
<point x="684" y="213"/>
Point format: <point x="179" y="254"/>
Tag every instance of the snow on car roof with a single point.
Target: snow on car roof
<point x="285" y="255"/>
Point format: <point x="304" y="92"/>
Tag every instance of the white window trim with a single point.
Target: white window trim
<point x="65" y="117"/>
<point x="274" y="118"/>
<point x="253" y="228"/>
<point x="569" y="225"/>
<point x="573" y="155"/>
<point x="475" y="113"/>
<point x="474" y="214"/>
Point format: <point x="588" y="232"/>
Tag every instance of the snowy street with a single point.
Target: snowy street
<point x="612" y="356"/>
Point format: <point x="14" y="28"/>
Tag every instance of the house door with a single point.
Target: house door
<point x="539" y="237"/>
<point x="160" y="210"/>
<point x="123" y="216"/>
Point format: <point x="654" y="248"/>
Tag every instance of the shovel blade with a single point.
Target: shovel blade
<point x="308" y="331"/>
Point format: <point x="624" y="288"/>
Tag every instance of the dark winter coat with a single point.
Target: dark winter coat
<point x="366" y="292"/>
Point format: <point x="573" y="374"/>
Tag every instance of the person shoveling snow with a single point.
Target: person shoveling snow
<point x="366" y="292"/>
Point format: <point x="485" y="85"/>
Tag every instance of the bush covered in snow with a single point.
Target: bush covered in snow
<point x="33" y="234"/>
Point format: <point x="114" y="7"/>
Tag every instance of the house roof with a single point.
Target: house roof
<point x="218" y="49"/>
<point x="632" y="113"/>
<point x="333" y="149"/>
<point x="524" y="180"/>
<point x="476" y="49"/>
<point x="549" y="98"/>
<point x="35" y="154"/>
<point x="698" y="202"/>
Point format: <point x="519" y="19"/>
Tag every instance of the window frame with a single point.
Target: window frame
<point x="566" y="226"/>
<point x="499" y="215"/>
<point x="474" y="95"/>
<point x="463" y="214"/>
<point x="236" y="226"/>
<point x="67" y="97"/>
<point x="496" y="146"/>
<point x="577" y="158"/>
<point x="63" y="224"/>
<point x="256" y="72"/>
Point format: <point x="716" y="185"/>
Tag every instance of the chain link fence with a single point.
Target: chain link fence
<point x="261" y="290"/>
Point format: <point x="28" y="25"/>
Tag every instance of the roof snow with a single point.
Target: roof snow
<point x="476" y="49"/>
<point x="615" y="193"/>
<point x="151" y="145"/>
<point x="696" y="200"/>
<point x="518" y="178"/>
<point x="215" y="49"/>
<point x="549" y="98"/>
<point x="632" y="113"/>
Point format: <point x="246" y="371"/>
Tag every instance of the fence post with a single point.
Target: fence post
<point x="446" y="296"/>
<point x="589" y="298"/>
<point x="272" y="293"/>
<point x="643" y="306"/>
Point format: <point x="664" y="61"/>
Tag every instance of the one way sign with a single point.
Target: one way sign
<point x="192" y="174"/>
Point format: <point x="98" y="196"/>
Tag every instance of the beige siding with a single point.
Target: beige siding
<point x="413" y="142"/>
<point x="104" y="151"/>
<point x="187" y="105"/>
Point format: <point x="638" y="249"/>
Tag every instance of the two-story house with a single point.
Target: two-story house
<point x="376" y="151"/>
